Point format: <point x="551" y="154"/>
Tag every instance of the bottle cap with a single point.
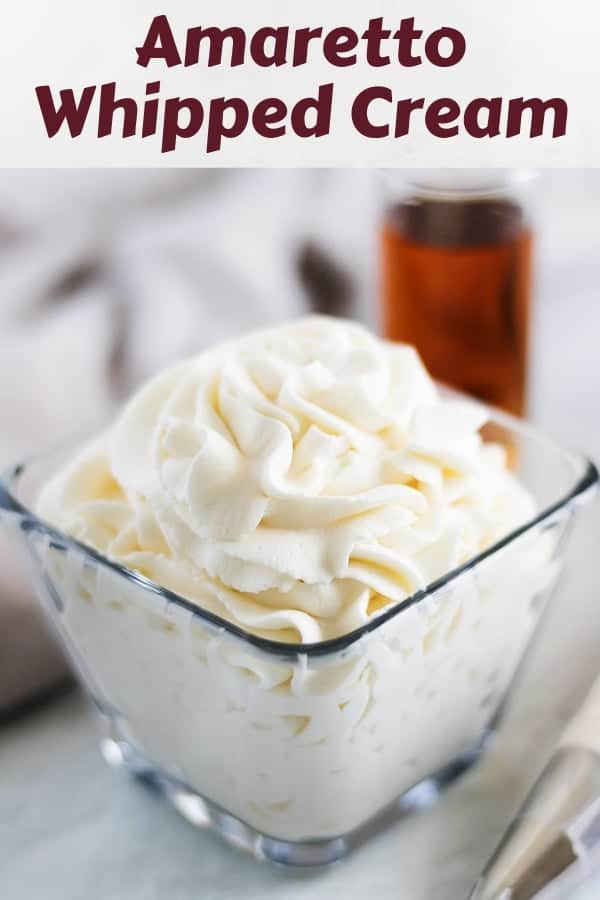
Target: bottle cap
<point x="457" y="184"/>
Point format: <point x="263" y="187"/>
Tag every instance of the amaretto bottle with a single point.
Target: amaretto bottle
<point x="457" y="265"/>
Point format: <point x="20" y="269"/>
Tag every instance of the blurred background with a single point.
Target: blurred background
<point x="107" y="276"/>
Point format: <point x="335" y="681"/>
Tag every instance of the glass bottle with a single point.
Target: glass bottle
<point x="457" y="261"/>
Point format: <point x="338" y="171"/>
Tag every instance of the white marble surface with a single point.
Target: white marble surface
<point x="70" y="828"/>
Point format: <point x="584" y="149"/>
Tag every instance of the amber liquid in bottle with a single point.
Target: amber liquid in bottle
<point x="456" y="284"/>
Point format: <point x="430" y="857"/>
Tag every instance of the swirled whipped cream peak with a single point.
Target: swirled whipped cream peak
<point x="296" y="481"/>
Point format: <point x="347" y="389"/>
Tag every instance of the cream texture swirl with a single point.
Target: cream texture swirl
<point x="296" y="481"/>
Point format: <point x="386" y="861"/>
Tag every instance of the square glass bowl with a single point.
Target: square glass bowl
<point x="292" y="750"/>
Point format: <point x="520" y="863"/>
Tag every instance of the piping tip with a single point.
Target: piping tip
<point x="480" y="892"/>
<point x="553" y="832"/>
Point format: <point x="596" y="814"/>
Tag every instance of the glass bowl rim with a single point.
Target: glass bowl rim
<point x="586" y="481"/>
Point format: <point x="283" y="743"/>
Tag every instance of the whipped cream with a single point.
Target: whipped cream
<point x="297" y="481"/>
